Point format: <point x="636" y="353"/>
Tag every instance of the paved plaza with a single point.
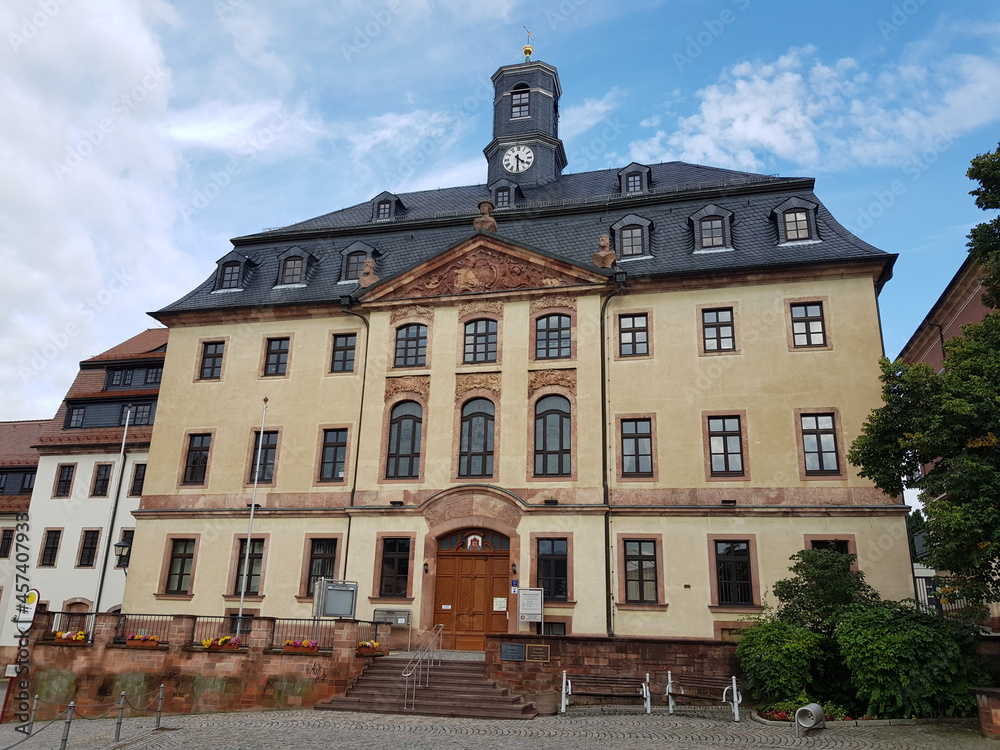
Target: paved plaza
<point x="581" y="728"/>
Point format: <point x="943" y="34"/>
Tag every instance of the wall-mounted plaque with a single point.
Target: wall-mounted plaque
<point x="511" y="652"/>
<point x="536" y="653"/>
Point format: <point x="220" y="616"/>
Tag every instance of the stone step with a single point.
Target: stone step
<point x="431" y="707"/>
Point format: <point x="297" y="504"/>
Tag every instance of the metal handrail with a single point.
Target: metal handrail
<point x="418" y="669"/>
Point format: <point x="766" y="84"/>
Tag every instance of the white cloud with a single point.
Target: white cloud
<point x="580" y="118"/>
<point x="832" y="116"/>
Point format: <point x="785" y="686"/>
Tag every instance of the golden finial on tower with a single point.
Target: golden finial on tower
<point x="527" y="45"/>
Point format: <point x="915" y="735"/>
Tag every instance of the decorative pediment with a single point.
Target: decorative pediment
<point x="484" y="264"/>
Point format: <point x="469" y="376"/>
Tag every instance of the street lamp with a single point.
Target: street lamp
<point x="123" y="550"/>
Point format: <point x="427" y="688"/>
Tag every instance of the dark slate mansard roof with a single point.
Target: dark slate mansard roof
<point x="562" y="219"/>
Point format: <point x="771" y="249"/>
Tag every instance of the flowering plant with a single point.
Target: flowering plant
<point x="70" y="635"/>
<point x="137" y="637"/>
<point x="303" y="644"/>
<point x="368" y="644"/>
<point x="226" y="640"/>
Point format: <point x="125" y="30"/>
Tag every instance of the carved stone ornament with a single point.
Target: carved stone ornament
<point x="368" y="276"/>
<point x="412" y="311"/>
<point x="488" y="381"/>
<point x="471" y="308"/>
<point x="419" y="384"/>
<point x="555" y="300"/>
<point x="605" y="256"/>
<point x="484" y="270"/>
<point x="541" y="378"/>
<point x="485" y="221"/>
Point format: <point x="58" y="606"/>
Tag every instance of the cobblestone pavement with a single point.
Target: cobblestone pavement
<point x="583" y="728"/>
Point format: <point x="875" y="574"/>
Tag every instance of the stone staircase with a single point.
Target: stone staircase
<point x="456" y="688"/>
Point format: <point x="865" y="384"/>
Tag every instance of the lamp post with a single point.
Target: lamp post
<point x="123" y="551"/>
<point x="253" y="507"/>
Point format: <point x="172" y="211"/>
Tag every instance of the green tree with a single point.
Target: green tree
<point x="951" y="421"/>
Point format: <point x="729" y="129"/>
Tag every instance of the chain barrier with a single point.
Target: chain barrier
<point x="32" y="734"/>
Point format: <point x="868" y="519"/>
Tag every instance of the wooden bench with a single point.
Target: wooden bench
<point x="602" y="686"/>
<point x="705" y="688"/>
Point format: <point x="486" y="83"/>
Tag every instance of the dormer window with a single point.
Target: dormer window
<point x="503" y="198"/>
<point x="634" y="178"/>
<point x="383" y="211"/>
<point x="633" y="182"/>
<point x="355" y="266"/>
<point x="712" y="232"/>
<point x="519" y="101"/>
<point x="797" y="225"/>
<point x="230" y="276"/>
<point x="291" y="271"/>
<point x="631" y="241"/>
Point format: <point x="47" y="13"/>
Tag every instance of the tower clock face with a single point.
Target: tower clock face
<point x="518" y="158"/>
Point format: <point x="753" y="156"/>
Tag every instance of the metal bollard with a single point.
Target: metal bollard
<point x="810" y="716"/>
<point x="159" y="707"/>
<point x="69" y="722"/>
<point x="121" y="715"/>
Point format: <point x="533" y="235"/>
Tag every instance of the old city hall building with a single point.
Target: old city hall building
<point x="632" y="388"/>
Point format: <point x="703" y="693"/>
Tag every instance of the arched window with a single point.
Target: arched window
<point x="403" y="455"/>
<point x="553" y="438"/>
<point x="553" y="337"/>
<point x="631" y="241"/>
<point x="230" y="276"/>
<point x="480" y="341"/>
<point x="291" y="270"/>
<point x="411" y="346"/>
<point x="519" y="101"/>
<point x="355" y="266"/>
<point x="475" y="453"/>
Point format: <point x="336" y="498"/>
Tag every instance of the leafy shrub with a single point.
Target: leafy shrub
<point x="908" y="663"/>
<point x="777" y="658"/>
<point x="822" y="585"/>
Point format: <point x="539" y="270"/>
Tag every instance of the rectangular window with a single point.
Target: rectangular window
<point x="343" y="352"/>
<point x="154" y="375"/>
<point x="255" y="564"/>
<point x="640" y="571"/>
<point x="331" y="468"/>
<point x="27" y="482"/>
<point x="123" y="560"/>
<point x="519" y="101"/>
<point x="75" y="416"/>
<point x="637" y="447"/>
<point x="631" y="241"/>
<point x="383" y="210"/>
<point x="138" y="479"/>
<point x="322" y="562"/>
<point x="292" y="271"/>
<point x="6" y="541"/>
<point x="633" y="335"/>
<point x="181" y="567"/>
<point x="711" y="232"/>
<point x="834" y="545"/>
<point x="480" y="341"/>
<point x="819" y="443"/>
<point x="411" y="346"/>
<point x="725" y="443"/>
<point x="64" y="483"/>
<point x="717" y="330"/>
<point x="142" y="414"/>
<point x="503" y="198"/>
<point x="3" y="483"/>
<point x="276" y="362"/>
<point x="395" y="567"/>
<point x="119" y="378"/>
<point x="88" y="549"/>
<point x="211" y="360"/>
<point x="633" y="182"/>
<point x="553" y="337"/>
<point x="102" y="480"/>
<point x="553" y="576"/>
<point x="732" y="563"/>
<point x="262" y="466"/>
<point x="50" y="548"/>
<point x="807" y="324"/>
<point x="797" y="225"/>
<point x="196" y="464"/>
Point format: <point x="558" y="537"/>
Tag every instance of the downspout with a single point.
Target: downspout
<point x="113" y="515"/>
<point x="619" y="278"/>
<point x="345" y="302"/>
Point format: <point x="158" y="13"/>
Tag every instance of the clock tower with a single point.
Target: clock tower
<point x="525" y="150"/>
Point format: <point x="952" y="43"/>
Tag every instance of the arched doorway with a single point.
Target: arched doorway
<point x="473" y="575"/>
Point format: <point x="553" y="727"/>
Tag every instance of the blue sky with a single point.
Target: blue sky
<point x="138" y="136"/>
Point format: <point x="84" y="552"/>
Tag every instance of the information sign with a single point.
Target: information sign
<point x="529" y="605"/>
<point x="512" y="652"/>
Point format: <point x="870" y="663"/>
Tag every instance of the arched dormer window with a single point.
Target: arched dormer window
<point x="520" y="100"/>
<point x="233" y="272"/>
<point x="712" y="229"/>
<point x="795" y="221"/>
<point x="632" y="236"/>
<point x="386" y="207"/>
<point x="635" y="178"/>
<point x="293" y="270"/>
<point x="353" y="258"/>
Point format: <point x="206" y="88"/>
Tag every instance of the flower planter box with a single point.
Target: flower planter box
<point x="64" y="642"/>
<point x="372" y="652"/>
<point x="227" y="647"/>
<point x="300" y="649"/>
<point x="142" y="644"/>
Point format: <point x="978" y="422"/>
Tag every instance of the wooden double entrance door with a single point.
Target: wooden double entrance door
<point x="471" y="587"/>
